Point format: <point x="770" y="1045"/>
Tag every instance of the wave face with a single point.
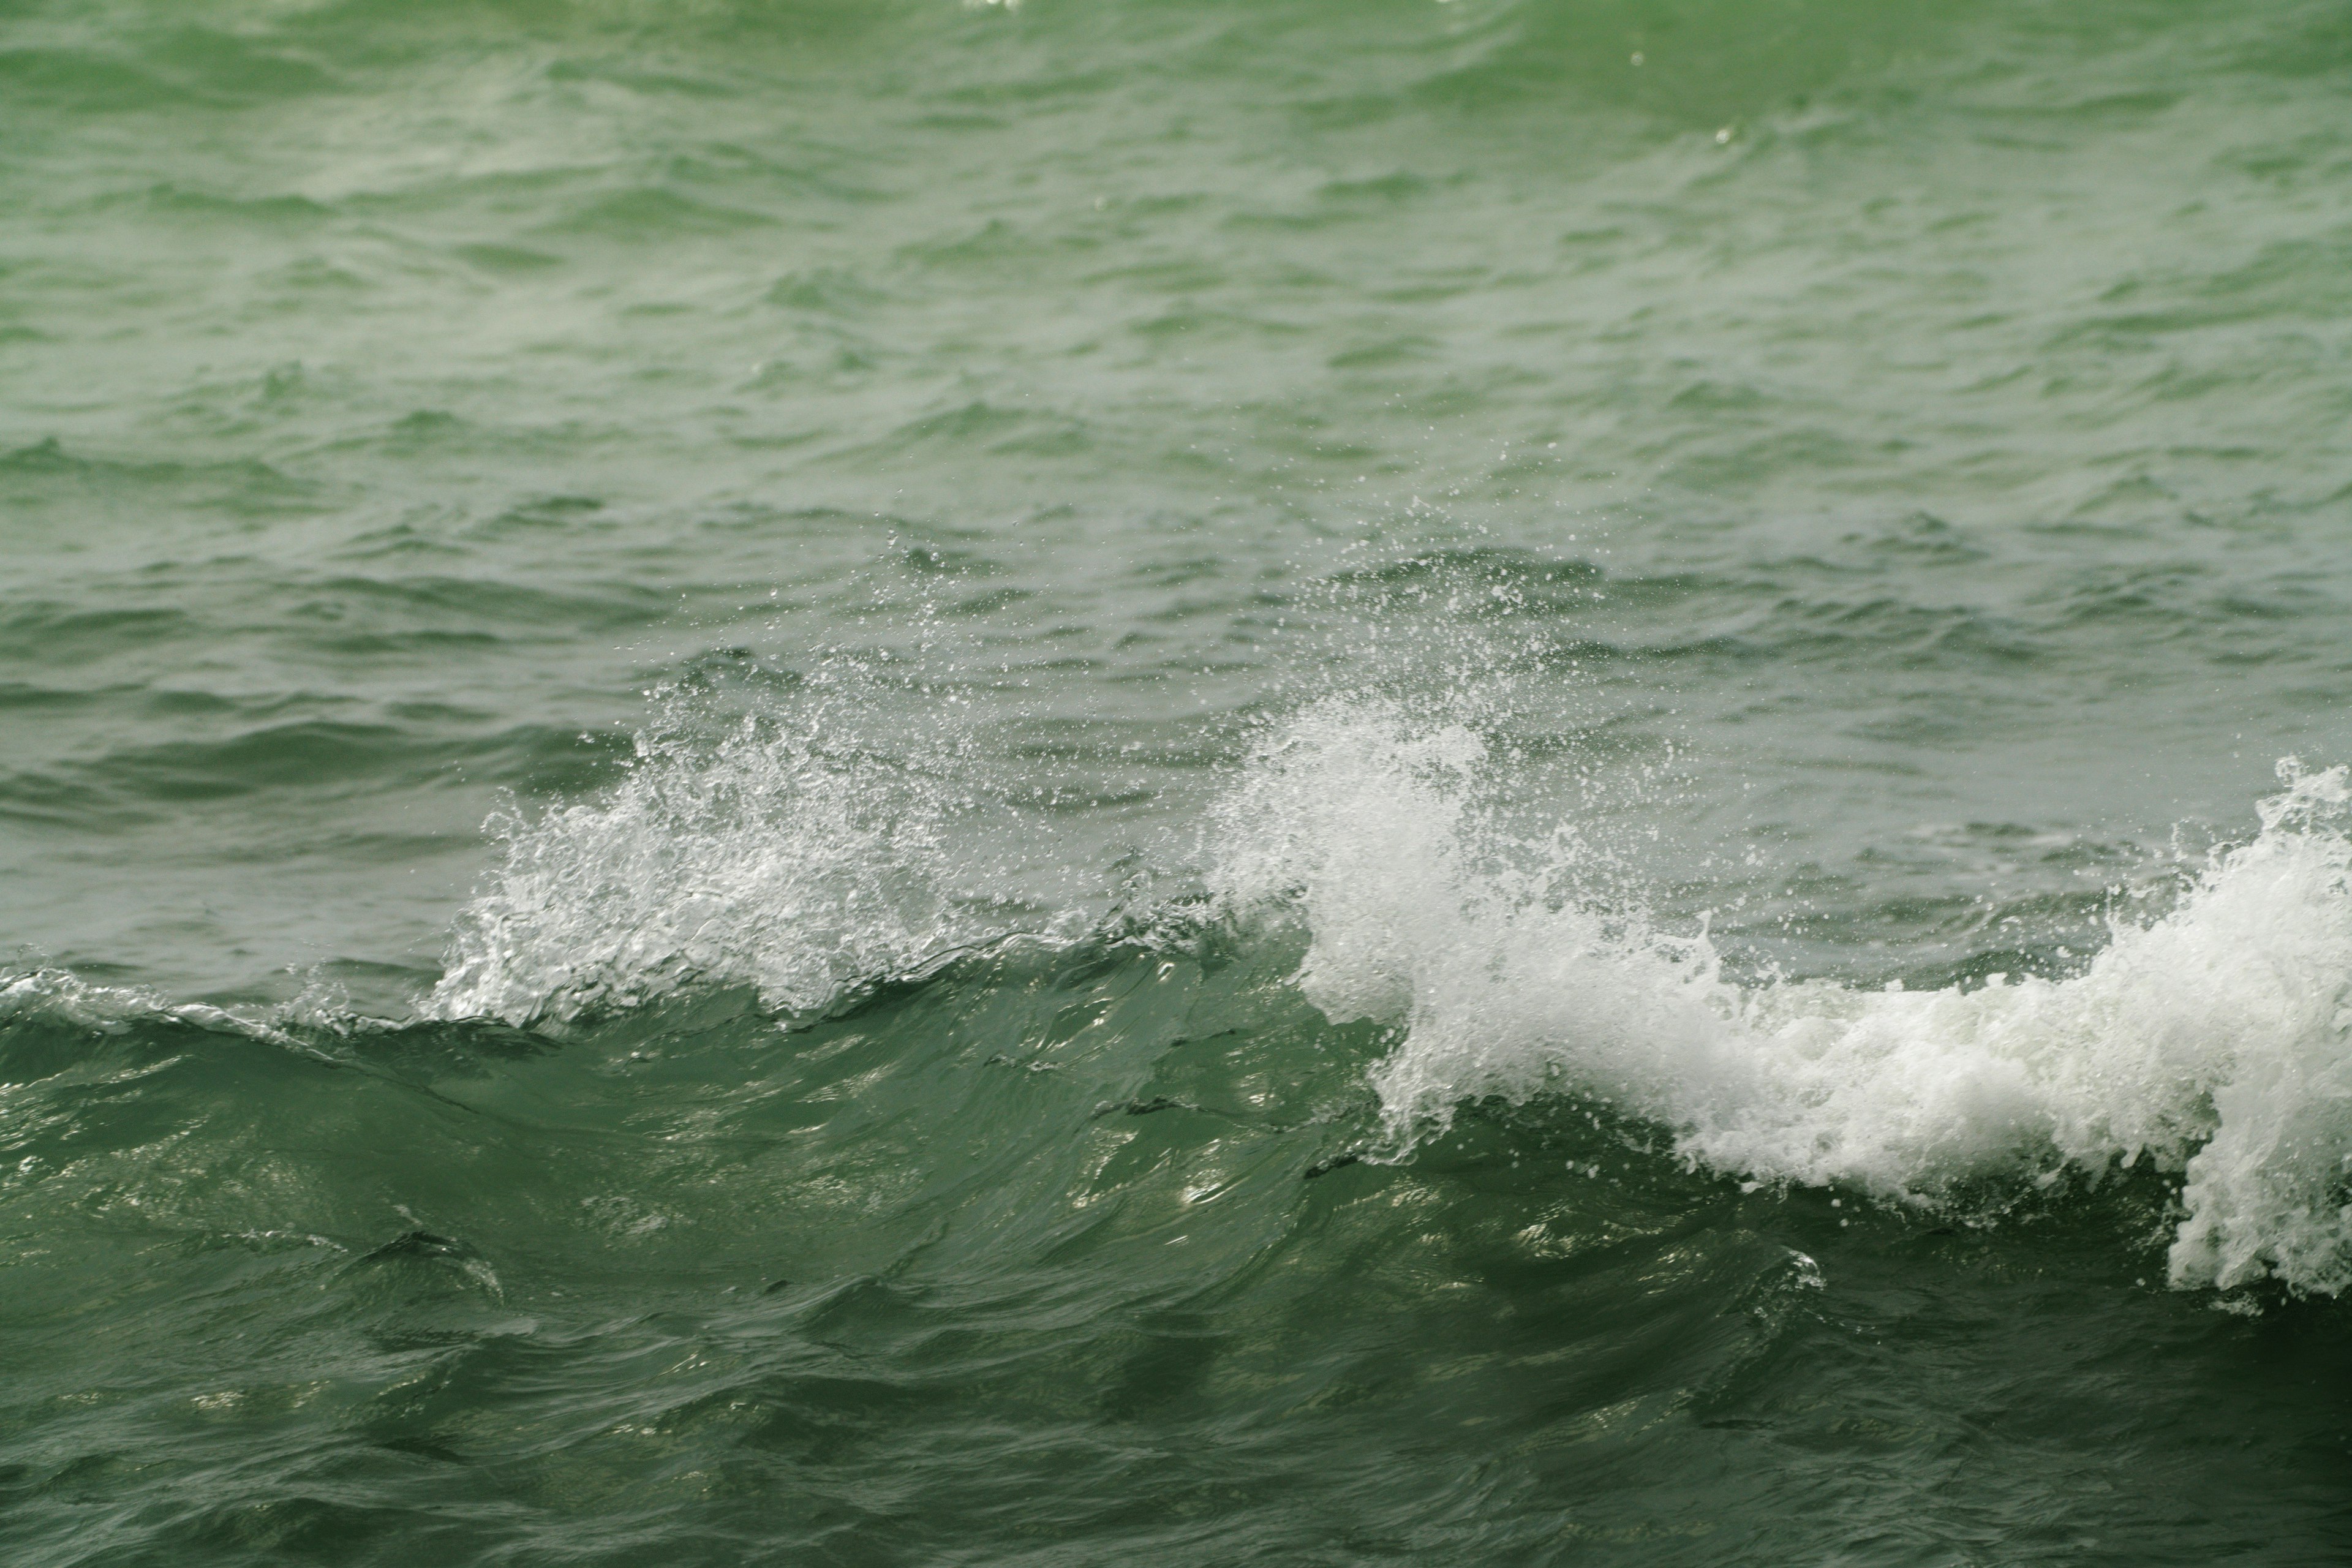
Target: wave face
<point x="2212" y="1042"/>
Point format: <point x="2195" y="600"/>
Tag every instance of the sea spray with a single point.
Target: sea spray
<point x="2211" y="1041"/>
<point x="766" y="859"/>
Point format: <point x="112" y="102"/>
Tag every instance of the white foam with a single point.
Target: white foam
<point x="764" y="860"/>
<point x="2212" y="1041"/>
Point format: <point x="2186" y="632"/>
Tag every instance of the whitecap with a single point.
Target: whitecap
<point x="2212" y="1042"/>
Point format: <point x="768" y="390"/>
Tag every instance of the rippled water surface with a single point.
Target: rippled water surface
<point x="1504" y="782"/>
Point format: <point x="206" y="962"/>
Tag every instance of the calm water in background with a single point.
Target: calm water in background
<point x="1300" y="782"/>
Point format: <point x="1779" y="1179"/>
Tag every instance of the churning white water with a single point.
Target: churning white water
<point x="2215" y="1041"/>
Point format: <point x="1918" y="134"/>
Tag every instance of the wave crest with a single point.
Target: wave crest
<point x="767" y="860"/>
<point x="2212" y="1042"/>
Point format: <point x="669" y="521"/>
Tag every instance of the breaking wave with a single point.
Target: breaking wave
<point x="771" y="859"/>
<point x="2212" y="1042"/>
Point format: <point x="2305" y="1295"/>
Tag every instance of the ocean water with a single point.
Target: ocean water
<point x="1318" y="782"/>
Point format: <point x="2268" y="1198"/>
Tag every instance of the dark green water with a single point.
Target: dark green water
<point x="1303" y="782"/>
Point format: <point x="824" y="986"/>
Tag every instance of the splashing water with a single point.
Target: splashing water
<point x="2212" y="1042"/>
<point x="769" y="860"/>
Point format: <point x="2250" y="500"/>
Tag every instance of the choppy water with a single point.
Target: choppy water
<point x="1303" y="782"/>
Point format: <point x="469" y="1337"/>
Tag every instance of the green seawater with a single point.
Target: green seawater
<point x="1317" y="782"/>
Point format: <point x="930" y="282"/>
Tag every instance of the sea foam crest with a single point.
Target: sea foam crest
<point x="2212" y="1041"/>
<point x="766" y="860"/>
